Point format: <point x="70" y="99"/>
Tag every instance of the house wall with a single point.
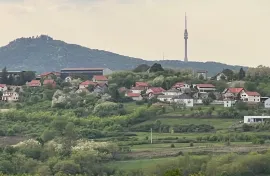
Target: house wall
<point x="227" y="104"/>
<point x="172" y="93"/>
<point x="136" y="91"/>
<point x="267" y="103"/>
<point x="206" y="89"/>
<point x="255" y="99"/>
<point x="83" y="86"/>
<point x="165" y="99"/>
<point x="137" y="98"/>
<point x="2" y="89"/>
<point x="220" y="76"/>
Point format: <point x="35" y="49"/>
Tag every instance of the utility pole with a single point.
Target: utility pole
<point x="151" y="137"/>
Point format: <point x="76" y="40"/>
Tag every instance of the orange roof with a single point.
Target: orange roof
<point x="133" y="94"/>
<point x="252" y="93"/>
<point x="86" y="83"/>
<point x="100" y="78"/>
<point x="141" y="84"/>
<point x="206" y="85"/>
<point x="235" y="90"/>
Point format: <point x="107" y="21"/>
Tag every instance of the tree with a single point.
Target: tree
<point x="4" y="76"/>
<point x="156" y="68"/>
<point x="28" y="76"/>
<point x="201" y="77"/>
<point x="212" y="96"/>
<point x="241" y="74"/>
<point x="207" y="101"/>
<point x="141" y="68"/>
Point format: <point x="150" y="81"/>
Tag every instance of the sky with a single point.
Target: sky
<point x="229" y="31"/>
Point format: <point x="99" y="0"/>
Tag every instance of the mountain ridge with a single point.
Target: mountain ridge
<point x="43" y="53"/>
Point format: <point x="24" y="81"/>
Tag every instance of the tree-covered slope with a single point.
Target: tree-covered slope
<point x="43" y="53"/>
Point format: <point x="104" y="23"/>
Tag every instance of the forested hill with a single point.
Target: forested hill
<point x="43" y="53"/>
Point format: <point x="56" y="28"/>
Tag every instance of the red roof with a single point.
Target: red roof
<point x="100" y="78"/>
<point x="179" y="84"/>
<point x="206" y="85"/>
<point x="133" y="94"/>
<point x="235" y="90"/>
<point x="252" y="93"/>
<point x="141" y="84"/>
<point x="137" y="88"/>
<point x="34" y="83"/>
<point x="48" y="81"/>
<point x="156" y="90"/>
<point x="3" y="85"/>
<point x="86" y="83"/>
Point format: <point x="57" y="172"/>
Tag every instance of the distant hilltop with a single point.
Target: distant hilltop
<point x="43" y="53"/>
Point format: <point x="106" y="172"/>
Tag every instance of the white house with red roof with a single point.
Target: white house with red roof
<point x="204" y="88"/>
<point x="181" y="85"/>
<point x="134" y="96"/>
<point x="248" y="96"/>
<point x="49" y="82"/>
<point x="232" y="93"/>
<point x="10" y="96"/>
<point x="34" y="83"/>
<point x="137" y="89"/>
<point x="145" y="85"/>
<point x="85" y="84"/>
<point x="154" y="91"/>
<point x="3" y="87"/>
<point x="100" y="79"/>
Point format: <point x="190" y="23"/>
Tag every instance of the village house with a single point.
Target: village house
<point x="204" y="88"/>
<point x="181" y="85"/>
<point x="184" y="99"/>
<point x="85" y="84"/>
<point x="100" y="79"/>
<point x="202" y="73"/>
<point x="34" y="83"/>
<point x="154" y="91"/>
<point x="144" y="85"/>
<point x="173" y="92"/>
<point x="248" y="96"/>
<point x="10" y="96"/>
<point x="48" y="75"/>
<point x="101" y="88"/>
<point x="267" y="103"/>
<point x="166" y="98"/>
<point x="137" y="89"/>
<point x="134" y="96"/>
<point x="228" y="103"/>
<point x="232" y="93"/>
<point x="221" y="76"/>
<point x="122" y="90"/>
<point x="3" y="87"/>
<point x="85" y="90"/>
<point x="49" y="82"/>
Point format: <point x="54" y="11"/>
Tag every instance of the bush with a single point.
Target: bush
<point x="191" y="144"/>
<point x="172" y="146"/>
<point x="141" y="102"/>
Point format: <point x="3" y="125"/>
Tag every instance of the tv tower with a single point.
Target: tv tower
<point x="186" y="38"/>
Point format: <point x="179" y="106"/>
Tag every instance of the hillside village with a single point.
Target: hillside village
<point x="97" y="80"/>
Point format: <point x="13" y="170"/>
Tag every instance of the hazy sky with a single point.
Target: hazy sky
<point x="228" y="31"/>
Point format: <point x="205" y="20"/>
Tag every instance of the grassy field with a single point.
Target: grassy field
<point x="219" y="124"/>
